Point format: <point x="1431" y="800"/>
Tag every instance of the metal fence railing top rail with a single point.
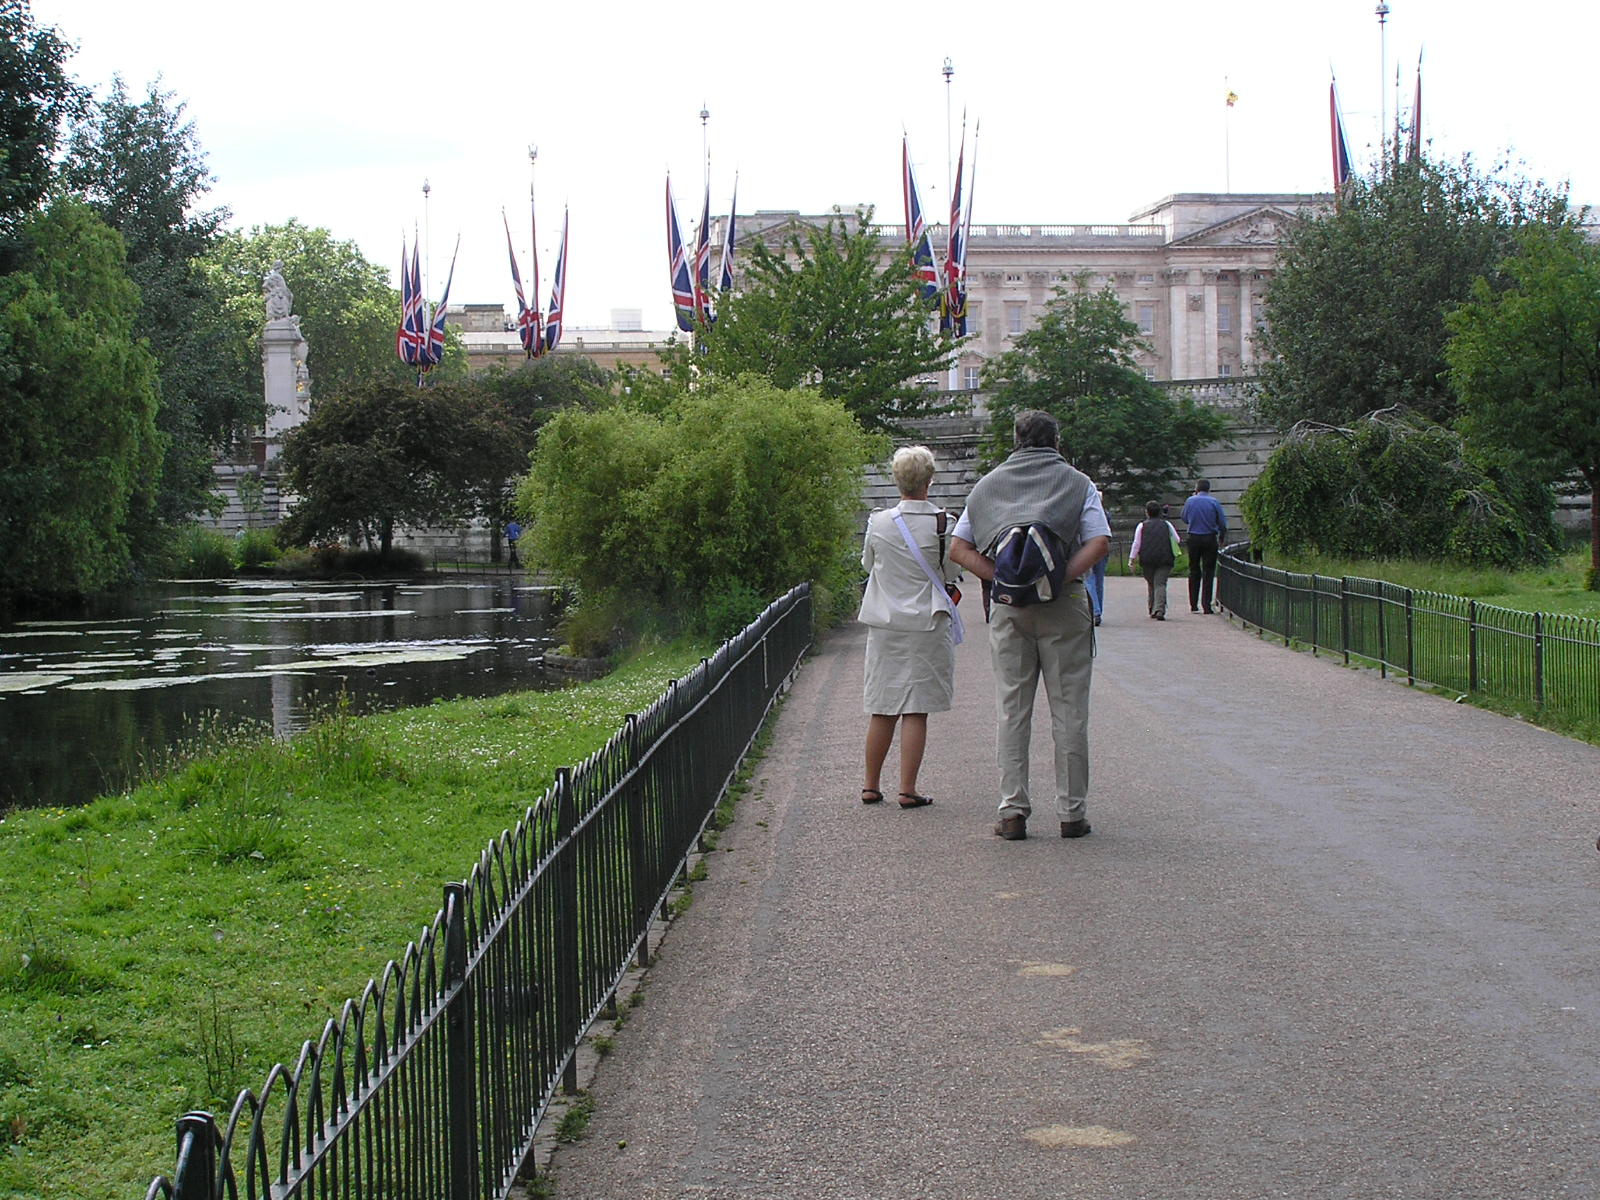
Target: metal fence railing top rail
<point x="432" y="1083"/>
<point x="1550" y="662"/>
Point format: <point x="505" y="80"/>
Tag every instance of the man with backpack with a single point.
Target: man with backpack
<point x="1041" y="526"/>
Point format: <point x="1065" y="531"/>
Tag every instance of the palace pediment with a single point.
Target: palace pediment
<point x="1259" y="227"/>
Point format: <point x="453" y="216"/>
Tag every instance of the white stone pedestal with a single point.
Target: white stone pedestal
<point x="288" y="388"/>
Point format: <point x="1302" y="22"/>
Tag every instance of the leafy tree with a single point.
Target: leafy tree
<point x="347" y="310"/>
<point x="79" y="451"/>
<point x="827" y="313"/>
<point x="1526" y="362"/>
<point x="526" y="397"/>
<point x="138" y="164"/>
<point x="709" y="510"/>
<point x="1355" y="311"/>
<point x="1077" y="363"/>
<point x="1396" y="485"/>
<point x="390" y="453"/>
<point x="36" y="96"/>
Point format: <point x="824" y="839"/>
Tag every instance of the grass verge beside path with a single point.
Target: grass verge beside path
<point x="1556" y="588"/>
<point x="162" y="949"/>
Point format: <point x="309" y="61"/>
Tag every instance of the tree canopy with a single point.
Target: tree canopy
<point x="1526" y="361"/>
<point x="1077" y="363"/>
<point x="826" y="312"/>
<point x="79" y="452"/>
<point x="1355" y="310"/>
<point x="390" y="453"/>
<point x="36" y="96"/>
<point x="139" y="165"/>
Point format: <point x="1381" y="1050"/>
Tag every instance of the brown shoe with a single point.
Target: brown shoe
<point x="1078" y="828"/>
<point x="1013" y="829"/>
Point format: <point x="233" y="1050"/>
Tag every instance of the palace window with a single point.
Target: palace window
<point x="1224" y="370"/>
<point x="1144" y="312"/>
<point x="970" y="377"/>
<point x="1013" y="318"/>
<point x="1147" y="277"/>
<point x="1225" y="318"/>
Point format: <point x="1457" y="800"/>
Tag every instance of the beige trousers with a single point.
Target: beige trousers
<point x="1052" y="643"/>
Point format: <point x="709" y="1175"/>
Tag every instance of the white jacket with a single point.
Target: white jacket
<point x="899" y="593"/>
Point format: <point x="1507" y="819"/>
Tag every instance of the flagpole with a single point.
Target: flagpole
<point x="947" y="72"/>
<point x="1227" y="139"/>
<point x="427" y="241"/>
<point x="1382" y="13"/>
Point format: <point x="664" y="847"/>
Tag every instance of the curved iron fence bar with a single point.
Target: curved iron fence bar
<point x="442" y="1095"/>
<point x="1548" y="661"/>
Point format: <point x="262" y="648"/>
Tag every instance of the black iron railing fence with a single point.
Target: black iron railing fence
<point x="433" y="1082"/>
<point x="1549" y="661"/>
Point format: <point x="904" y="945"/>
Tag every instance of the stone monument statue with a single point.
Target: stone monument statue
<point x="275" y="289"/>
<point x="283" y="362"/>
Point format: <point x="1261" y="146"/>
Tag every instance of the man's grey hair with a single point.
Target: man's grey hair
<point x="1035" y="428"/>
<point x="912" y="468"/>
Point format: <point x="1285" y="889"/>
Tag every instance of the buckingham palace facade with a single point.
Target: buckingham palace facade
<point x="1191" y="270"/>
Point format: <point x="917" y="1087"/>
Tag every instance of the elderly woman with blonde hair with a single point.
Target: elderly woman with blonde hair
<point x="912" y="624"/>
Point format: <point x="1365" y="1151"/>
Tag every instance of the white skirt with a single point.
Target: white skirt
<point x="910" y="672"/>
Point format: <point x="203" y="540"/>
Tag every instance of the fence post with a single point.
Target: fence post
<point x="1538" y="660"/>
<point x="1411" y="638"/>
<point x="567" y="924"/>
<point x="459" y="1072"/>
<point x="198" y="1142"/>
<point x="1383" y="633"/>
<point x="1344" y="618"/>
<point x="1472" y="646"/>
<point x="1316" y="628"/>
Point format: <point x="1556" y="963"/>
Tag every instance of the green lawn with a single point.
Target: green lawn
<point x="162" y="949"/>
<point x="1556" y="588"/>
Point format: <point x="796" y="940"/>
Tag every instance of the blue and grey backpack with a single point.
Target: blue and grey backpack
<point x="1030" y="565"/>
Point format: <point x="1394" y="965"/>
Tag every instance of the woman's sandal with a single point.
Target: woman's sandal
<point x="912" y="800"/>
<point x="871" y="795"/>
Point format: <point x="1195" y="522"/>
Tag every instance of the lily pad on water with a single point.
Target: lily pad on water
<point x="32" y="679"/>
<point x="379" y="659"/>
<point x="298" y="615"/>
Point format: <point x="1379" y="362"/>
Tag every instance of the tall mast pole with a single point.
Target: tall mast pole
<point x="427" y="240"/>
<point x="948" y="70"/>
<point x="1382" y="12"/>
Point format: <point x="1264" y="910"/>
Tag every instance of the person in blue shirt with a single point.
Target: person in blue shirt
<point x="513" y="532"/>
<point x="1208" y="526"/>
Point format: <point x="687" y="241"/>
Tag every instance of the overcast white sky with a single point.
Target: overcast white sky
<point x="336" y="111"/>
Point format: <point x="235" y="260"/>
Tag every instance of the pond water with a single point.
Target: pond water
<point x="88" y="703"/>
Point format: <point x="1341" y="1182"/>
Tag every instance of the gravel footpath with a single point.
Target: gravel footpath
<point x="1330" y="937"/>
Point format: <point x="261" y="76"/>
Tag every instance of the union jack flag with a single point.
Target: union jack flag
<point x="409" y="338"/>
<point x="725" y="272"/>
<point x="527" y="319"/>
<point x="702" y="263"/>
<point x="678" y="265"/>
<point x="923" y="266"/>
<point x="1341" y="148"/>
<point x="558" y="292"/>
<point x="433" y="355"/>
<point x="954" y="303"/>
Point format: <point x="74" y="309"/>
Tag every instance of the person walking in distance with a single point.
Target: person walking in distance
<point x="1154" y="551"/>
<point x="1208" y="525"/>
<point x="1035" y="489"/>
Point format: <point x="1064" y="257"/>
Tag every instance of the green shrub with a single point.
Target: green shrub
<point x="203" y="553"/>
<point x="1394" y="485"/>
<point x="707" y="510"/>
<point x="254" y="549"/>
